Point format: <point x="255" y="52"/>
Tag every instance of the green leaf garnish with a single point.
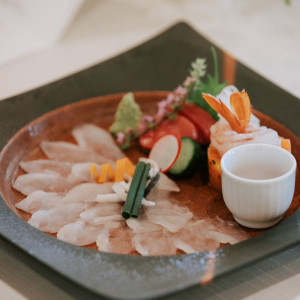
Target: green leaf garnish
<point x="209" y="85"/>
<point x="127" y="116"/>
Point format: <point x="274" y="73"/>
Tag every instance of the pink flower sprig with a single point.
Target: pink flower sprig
<point x="165" y="109"/>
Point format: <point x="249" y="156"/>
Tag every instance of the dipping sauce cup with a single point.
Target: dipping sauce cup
<point x="258" y="183"/>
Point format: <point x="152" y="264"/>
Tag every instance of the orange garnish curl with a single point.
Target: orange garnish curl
<point x="107" y="173"/>
<point x="240" y="103"/>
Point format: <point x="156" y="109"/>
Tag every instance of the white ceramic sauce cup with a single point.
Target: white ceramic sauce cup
<point x="258" y="183"/>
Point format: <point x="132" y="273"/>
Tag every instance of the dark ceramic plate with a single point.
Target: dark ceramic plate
<point x="147" y="67"/>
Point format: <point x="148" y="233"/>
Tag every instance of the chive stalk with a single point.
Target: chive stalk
<point x="151" y="184"/>
<point x="140" y="192"/>
<point x="133" y="189"/>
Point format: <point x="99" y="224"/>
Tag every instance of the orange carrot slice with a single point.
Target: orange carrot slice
<point x="286" y="144"/>
<point x="94" y="173"/>
<point x="107" y="173"/>
<point x="123" y="166"/>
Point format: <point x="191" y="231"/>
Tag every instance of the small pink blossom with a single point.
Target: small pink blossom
<point x="161" y="112"/>
<point x="180" y="90"/>
<point x="189" y="80"/>
<point x="145" y="120"/>
<point x="170" y="99"/>
<point x="121" y="138"/>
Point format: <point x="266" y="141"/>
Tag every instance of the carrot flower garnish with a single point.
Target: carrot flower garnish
<point x="241" y="106"/>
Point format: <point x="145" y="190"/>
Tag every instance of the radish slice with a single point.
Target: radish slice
<point x="165" y="151"/>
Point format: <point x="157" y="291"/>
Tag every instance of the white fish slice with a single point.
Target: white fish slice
<point x="103" y="220"/>
<point x="154" y="243"/>
<point x="39" y="200"/>
<point x="53" y="219"/>
<point x="79" y="233"/>
<point x="120" y="241"/>
<point x="185" y="247"/>
<point x="101" y="210"/>
<point x="167" y="184"/>
<point x="142" y="225"/>
<point x="67" y="152"/>
<point x="87" y="192"/>
<point x="81" y="171"/>
<point x="103" y="239"/>
<point x="46" y="166"/>
<point x="48" y="182"/>
<point x="97" y="139"/>
<point x="169" y="215"/>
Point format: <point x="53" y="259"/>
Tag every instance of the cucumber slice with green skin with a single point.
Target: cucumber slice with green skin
<point x="188" y="159"/>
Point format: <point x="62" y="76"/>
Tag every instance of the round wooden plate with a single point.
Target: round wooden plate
<point x="57" y="125"/>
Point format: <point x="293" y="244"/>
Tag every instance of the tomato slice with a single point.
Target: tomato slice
<point x="181" y="126"/>
<point x="201" y="119"/>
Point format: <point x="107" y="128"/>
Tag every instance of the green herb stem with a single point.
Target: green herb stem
<point x="151" y="184"/>
<point x="140" y="192"/>
<point x="133" y="189"/>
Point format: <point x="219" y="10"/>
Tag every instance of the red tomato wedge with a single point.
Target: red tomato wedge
<point x="165" y="151"/>
<point x="201" y="119"/>
<point x="181" y="127"/>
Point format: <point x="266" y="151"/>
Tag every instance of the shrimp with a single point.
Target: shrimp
<point x="237" y="125"/>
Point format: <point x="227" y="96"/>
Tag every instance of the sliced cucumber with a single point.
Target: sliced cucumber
<point x="188" y="159"/>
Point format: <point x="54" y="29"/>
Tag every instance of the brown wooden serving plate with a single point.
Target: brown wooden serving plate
<point x="57" y="125"/>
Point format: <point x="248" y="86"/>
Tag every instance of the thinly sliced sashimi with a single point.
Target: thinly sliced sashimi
<point x="120" y="241"/>
<point x="47" y="182"/>
<point x="67" y="152"/>
<point x="194" y="234"/>
<point x="167" y="184"/>
<point x="232" y="229"/>
<point x="115" y="239"/>
<point x="154" y="243"/>
<point x="213" y="233"/>
<point x="46" y="166"/>
<point x="169" y="215"/>
<point x="81" y="171"/>
<point x="96" y="138"/>
<point x="79" y="233"/>
<point x="183" y="246"/>
<point x="53" y="219"/>
<point x="105" y="219"/>
<point x="101" y="210"/>
<point x="142" y="225"/>
<point x="87" y="192"/>
<point x="39" y="200"/>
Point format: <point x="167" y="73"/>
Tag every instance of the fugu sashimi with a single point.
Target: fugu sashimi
<point x="169" y="215"/>
<point x="101" y="210"/>
<point x="154" y="243"/>
<point x="102" y="240"/>
<point x="106" y="219"/>
<point x="53" y="219"/>
<point x="98" y="139"/>
<point x="167" y="184"/>
<point x="46" y="166"/>
<point x="87" y="192"/>
<point x="142" y="225"/>
<point x="79" y="233"/>
<point x="120" y="241"/>
<point x="183" y="246"/>
<point x="39" y="200"/>
<point x="81" y="171"/>
<point x="67" y="152"/>
<point x="48" y="182"/>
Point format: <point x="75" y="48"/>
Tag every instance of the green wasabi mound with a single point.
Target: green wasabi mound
<point x="127" y="116"/>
